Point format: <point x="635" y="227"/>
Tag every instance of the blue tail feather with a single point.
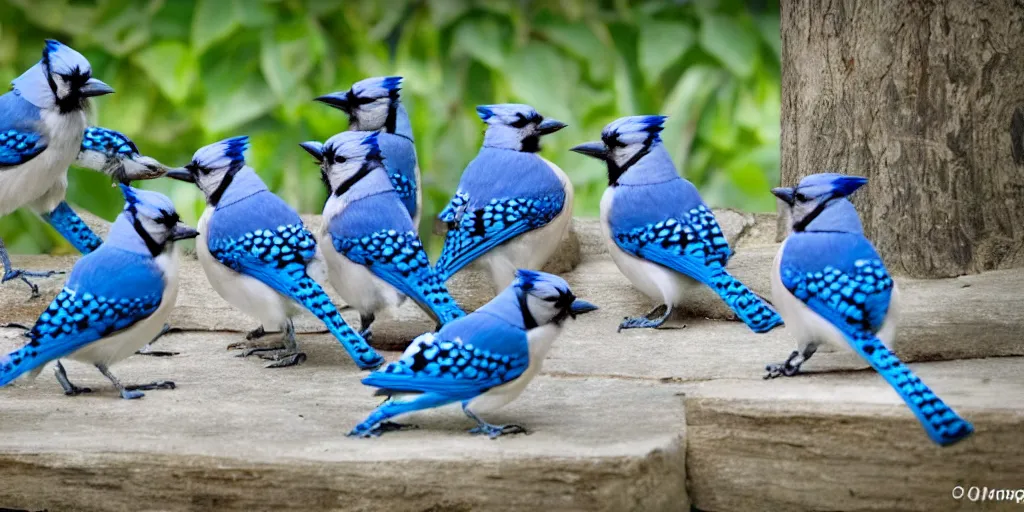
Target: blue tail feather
<point x="392" y="408"/>
<point x="942" y="424"/>
<point x="18" y="363"/>
<point x="753" y="311"/>
<point x="73" y="228"/>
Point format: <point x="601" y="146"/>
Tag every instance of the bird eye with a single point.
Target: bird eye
<point x="520" y="122"/>
<point x="801" y="198"/>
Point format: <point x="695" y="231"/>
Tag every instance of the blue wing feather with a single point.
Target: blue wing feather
<point x="20" y="138"/>
<point x="109" y="290"/>
<point x="694" y="245"/>
<point x="400" y="160"/>
<point x="278" y="258"/>
<point x="853" y="292"/>
<point x="73" y="228"/>
<point x="106" y="141"/>
<point x="466" y="358"/>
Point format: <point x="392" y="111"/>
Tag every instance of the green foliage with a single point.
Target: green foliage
<point x="189" y="72"/>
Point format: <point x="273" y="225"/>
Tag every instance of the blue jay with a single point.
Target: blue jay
<point x="832" y="288"/>
<point x="42" y="120"/>
<point x="115" y="300"/>
<point x="259" y="256"/>
<point x="660" y="233"/>
<point x="512" y="207"/>
<point x="111" y="153"/>
<point x="374" y="104"/>
<point x="483" y="360"/>
<point x="373" y="253"/>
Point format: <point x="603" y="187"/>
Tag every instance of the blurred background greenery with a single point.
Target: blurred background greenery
<point x="190" y="72"/>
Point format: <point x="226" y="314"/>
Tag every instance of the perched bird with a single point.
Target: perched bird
<point x="374" y="255"/>
<point x="111" y="153"/>
<point x="115" y="300"/>
<point x="259" y="256"/>
<point x="374" y="104"/>
<point x="483" y="360"/>
<point x="42" y="120"/>
<point x="660" y="233"/>
<point x="832" y="289"/>
<point x="512" y="207"/>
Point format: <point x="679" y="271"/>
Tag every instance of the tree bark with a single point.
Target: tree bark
<point x="926" y="99"/>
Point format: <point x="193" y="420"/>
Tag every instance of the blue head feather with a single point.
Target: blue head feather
<point x="146" y="202"/>
<point x="514" y="126"/>
<point x="633" y="130"/>
<point x="34" y="85"/>
<point x="376" y="87"/>
<point x="221" y="154"/>
<point x="507" y="114"/>
<point x="352" y="146"/>
<point x="819" y="203"/>
<point x="540" y="283"/>
<point x="839" y="185"/>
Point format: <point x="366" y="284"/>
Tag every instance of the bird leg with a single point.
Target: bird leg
<point x="491" y="431"/>
<point x="652" y="320"/>
<point x="69" y="388"/>
<point x="148" y="349"/>
<point x="12" y="273"/>
<point x="255" y="334"/>
<point x="791" y="366"/>
<point x="287" y="354"/>
<point x="250" y="345"/>
<point x="365" y="320"/>
<point x="135" y="391"/>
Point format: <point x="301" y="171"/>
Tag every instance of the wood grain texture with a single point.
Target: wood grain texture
<point x="926" y="99"/>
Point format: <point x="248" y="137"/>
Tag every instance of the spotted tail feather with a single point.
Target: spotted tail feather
<point x="16" y="364"/>
<point x="942" y="423"/>
<point x="749" y="308"/>
<point x="73" y="228"/>
<point x="307" y="292"/>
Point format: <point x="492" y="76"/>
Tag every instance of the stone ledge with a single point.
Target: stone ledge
<point x="239" y="436"/>
<point x="845" y="441"/>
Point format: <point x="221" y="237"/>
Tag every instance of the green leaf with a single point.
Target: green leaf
<point x="731" y="43"/>
<point x="661" y="44"/>
<point x="542" y="78"/>
<point x="286" y="58"/>
<point x="684" y="106"/>
<point x="443" y="12"/>
<point x="482" y="39"/>
<point x="170" y="66"/>
<point x="213" y="21"/>
<point x="580" y="41"/>
<point x="769" y="26"/>
<point x="229" y="107"/>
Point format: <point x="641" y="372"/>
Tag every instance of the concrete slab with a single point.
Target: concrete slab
<point x="845" y="441"/>
<point x="237" y="436"/>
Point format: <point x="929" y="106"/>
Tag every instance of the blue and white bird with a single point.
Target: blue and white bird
<point x="833" y="290"/>
<point x="374" y="104"/>
<point x="42" y="120"/>
<point x="374" y="255"/>
<point x="512" y="207"/>
<point x="259" y="256"/>
<point x="483" y="360"/>
<point x="660" y="233"/>
<point x="115" y="155"/>
<point x="115" y="300"/>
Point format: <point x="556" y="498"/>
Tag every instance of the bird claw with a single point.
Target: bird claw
<point x="377" y="430"/>
<point x="638" y="322"/>
<point x="75" y="391"/>
<point x="367" y="335"/>
<point x="129" y="394"/>
<point x="255" y="348"/>
<point x="254" y="334"/>
<point x="372" y="364"/>
<point x="283" y="361"/>
<point x="496" y="431"/>
<point x="25" y="274"/>
<point x="780" y="370"/>
<point x="151" y="386"/>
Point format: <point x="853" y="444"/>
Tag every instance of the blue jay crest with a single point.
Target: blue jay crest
<point x="512" y="114"/>
<point x="228" y="153"/>
<point x="377" y="87"/>
<point x="63" y="60"/>
<point x="346" y="146"/>
<point x="829" y="183"/>
<point x="541" y="282"/>
<point x="152" y="205"/>
<point x="632" y="130"/>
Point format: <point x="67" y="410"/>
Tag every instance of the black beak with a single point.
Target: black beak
<point x="784" y="193"/>
<point x="549" y="126"/>
<point x="182" y="232"/>
<point x="338" y="100"/>
<point x="95" y="87"/>
<point x="181" y="174"/>
<point x="592" y="149"/>
<point x="579" y="307"/>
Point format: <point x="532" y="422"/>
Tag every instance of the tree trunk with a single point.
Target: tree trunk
<point x="926" y="99"/>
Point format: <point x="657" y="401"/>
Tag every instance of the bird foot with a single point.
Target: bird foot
<point x="781" y="370"/>
<point x="69" y="388"/>
<point x="151" y="386"/>
<point x="75" y="391"/>
<point x="496" y="431"/>
<point x="366" y="431"/>
<point x="367" y="335"/>
<point x="25" y="274"/>
<point x="283" y="358"/>
<point x="148" y="349"/>
<point x="639" y="322"/>
<point x="253" y="347"/>
<point x="14" y="325"/>
<point x="128" y="394"/>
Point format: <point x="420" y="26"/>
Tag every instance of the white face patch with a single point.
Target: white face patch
<point x="372" y="116"/>
<point x="209" y="181"/>
<point x="542" y="310"/>
<point x="157" y="231"/>
<point x="63" y="87"/>
<point x="621" y="155"/>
